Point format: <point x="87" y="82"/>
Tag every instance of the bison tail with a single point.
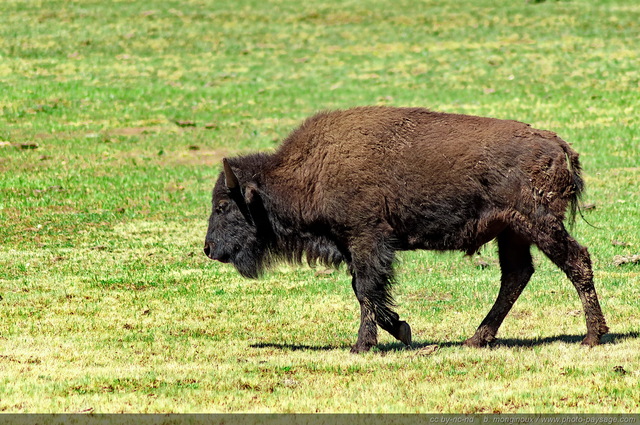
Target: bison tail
<point x="577" y="182"/>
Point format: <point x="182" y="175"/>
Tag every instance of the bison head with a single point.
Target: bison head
<point x="235" y="235"/>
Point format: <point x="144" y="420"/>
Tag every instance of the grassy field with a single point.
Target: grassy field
<point x="114" y="117"/>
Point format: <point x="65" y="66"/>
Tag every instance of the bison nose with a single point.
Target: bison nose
<point x="208" y="251"/>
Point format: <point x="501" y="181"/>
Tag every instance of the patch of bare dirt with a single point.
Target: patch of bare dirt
<point x="133" y="131"/>
<point x="619" y="260"/>
<point x="201" y="157"/>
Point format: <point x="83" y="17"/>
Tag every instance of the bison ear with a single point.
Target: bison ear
<point x="256" y="208"/>
<point x="231" y="180"/>
<point x="251" y="195"/>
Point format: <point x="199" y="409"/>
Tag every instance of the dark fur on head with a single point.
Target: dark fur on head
<point x="261" y="239"/>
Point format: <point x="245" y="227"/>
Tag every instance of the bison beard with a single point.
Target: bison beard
<point x="356" y="186"/>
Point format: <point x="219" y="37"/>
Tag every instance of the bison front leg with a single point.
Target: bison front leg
<point x="372" y="269"/>
<point x="375" y="311"/>
<point x="368" y="332"/>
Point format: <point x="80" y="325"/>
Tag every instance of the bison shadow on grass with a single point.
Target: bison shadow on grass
<point x="610" y="338"/>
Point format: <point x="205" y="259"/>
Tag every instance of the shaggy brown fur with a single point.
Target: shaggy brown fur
<point x="357" y="185"/>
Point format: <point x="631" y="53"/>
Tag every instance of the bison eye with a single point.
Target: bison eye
<point x="222" y="206"/>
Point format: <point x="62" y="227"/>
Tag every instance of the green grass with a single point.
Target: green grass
<point x="107" y="303"/>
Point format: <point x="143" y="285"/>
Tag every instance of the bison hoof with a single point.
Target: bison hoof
<point x="591" y="341"/>
<point x="360" y="348"/>
<point x="404" y="333"/>
<point x="476" y="342"/>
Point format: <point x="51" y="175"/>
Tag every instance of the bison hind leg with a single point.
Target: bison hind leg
<point x="574" y="260"/>
<point x="517" y="267"/>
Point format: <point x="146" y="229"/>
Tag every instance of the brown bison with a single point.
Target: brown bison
<point x="357" y="185"/>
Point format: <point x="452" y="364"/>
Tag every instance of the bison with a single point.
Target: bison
<point x="355" y="186"/>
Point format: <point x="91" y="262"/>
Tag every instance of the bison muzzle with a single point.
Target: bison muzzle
<point x="355" y="186"/>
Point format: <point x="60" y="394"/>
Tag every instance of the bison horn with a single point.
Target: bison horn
<point x="230" y="178"/>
